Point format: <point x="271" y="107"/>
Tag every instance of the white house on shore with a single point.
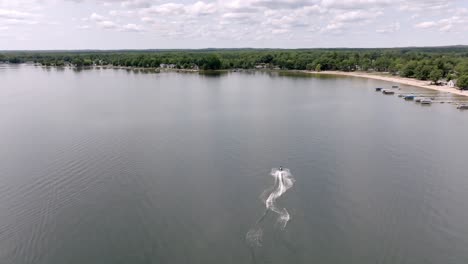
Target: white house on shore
<point x="452" y="83"/>
<point x="167" y="66"/>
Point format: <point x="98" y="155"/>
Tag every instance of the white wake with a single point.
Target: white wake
<point x="283" y="182"/>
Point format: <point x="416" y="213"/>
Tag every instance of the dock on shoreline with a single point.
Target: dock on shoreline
<point x="396" y="79"/>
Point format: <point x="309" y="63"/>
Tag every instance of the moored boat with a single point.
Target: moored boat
<point x="462" y="106"/>
<point x="378" y="89"/>
<point x="394" y="86"/>
<point x="386" y="91"/>
<point x="409" y="97"/>
<point x="418" y="99"/>
<point x="426" y="101"/>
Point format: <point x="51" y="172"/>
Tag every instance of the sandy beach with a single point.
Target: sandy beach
<point x="396" y="79"/>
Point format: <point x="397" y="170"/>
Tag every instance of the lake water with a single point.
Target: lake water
<point x="114" y="166"/>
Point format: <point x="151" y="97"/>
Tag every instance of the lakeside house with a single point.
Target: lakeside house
<point x="452" y="83"/>
<point x="262" y="66"/>
<point x="167" y="66"/>
<point x="266" y="66"/>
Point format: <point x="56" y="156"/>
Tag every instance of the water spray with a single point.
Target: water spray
<point x="283" y="182"/>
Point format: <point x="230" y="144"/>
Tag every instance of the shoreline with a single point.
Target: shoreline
<point x="368" y="75"/>
<point x="395" y="79"/>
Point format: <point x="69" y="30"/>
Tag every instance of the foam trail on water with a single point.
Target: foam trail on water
<point x="254" y="236"/>
<point x="283" y="182"/>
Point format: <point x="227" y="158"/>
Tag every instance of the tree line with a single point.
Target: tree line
<point x="427" y="63"/>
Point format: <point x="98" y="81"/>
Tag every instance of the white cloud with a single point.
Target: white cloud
<point x="425" y="5"/>
<point x="239" y="18"/>
<point x="284" y="4"/>
<point x="148" y="20"/>
<point x="19" y="22"/>
<point x="96" y="17"/>
<point x="236" y="15"/>
<point x="347" y="19"/>
<point x="103" y="22"/>
<point x="280" y="31"/>
<point x="22" y="5"/>
<point x="122" y="13"/>
<point x="407" y="5"/>
<point x="390" y="28"/>
<point x="426" y="24"/>
<point x="15" y="17"/>
<point x="356" y="4"/>
<point x="83" y="27"/>
<point x="241" y="6"/>
<point x="131" y="28"/>
<point x="447" y="27"/>
<point x="334" y="27"/>
<point x="175" y="9"/>
<point x="357" y="16"/>
<point x="136" y="4"/>
<point x="13" y="14"/>
<point x="168" y="9"/>
<point x="107" y="24"/>
<point x="201" y="8"/>
<point x="252" y="6"/>
<point x="244" y="22"/>
<point x="275" y="16"/>
<point x="444" y="25"/>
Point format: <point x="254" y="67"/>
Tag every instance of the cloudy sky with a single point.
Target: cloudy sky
<point x="142" y="24"/>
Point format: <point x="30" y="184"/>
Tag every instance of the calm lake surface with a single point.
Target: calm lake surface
<point x="115" y="166"/>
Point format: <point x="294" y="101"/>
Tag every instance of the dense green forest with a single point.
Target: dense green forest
<point x="429" y="63"/>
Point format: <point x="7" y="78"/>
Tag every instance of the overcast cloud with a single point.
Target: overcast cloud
<point x="141" y="24"/>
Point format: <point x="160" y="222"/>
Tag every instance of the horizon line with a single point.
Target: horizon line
<point x="241" y="48"/>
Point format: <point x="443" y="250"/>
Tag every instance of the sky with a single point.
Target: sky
<point x="172" y="24"/>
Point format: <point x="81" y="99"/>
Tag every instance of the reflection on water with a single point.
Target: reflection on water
<point x="213" y="73"/>
<point x="109" y="166"/>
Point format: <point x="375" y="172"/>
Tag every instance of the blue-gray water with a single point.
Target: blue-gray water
<point x="115" y="166"/>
